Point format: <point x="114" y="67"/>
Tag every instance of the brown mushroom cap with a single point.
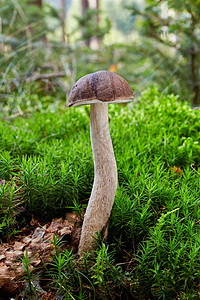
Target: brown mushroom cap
<point x="101" y="86"/>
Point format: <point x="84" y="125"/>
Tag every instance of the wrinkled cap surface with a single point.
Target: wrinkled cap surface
<point x="101" y="86"/>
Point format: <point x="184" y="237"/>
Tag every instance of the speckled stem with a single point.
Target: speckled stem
<point x="105" y="178"/>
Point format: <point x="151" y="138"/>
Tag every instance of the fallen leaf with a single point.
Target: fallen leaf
<point x="34" y="222"/>
<point x="175" y="170"/>
<point x="113" y="68"/>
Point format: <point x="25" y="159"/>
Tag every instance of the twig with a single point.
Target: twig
<point x="20" y="113"/>
<point x="194" y="169"/>
<point x="129" y="254"/>
<point x="19" y="203"/>
<point x="44" y="76"/>
<point x="137" y="175"/>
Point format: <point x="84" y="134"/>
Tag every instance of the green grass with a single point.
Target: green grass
<point x="153" y="248"/>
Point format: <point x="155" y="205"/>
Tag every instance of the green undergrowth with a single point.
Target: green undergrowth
<point x="153" y="247"/>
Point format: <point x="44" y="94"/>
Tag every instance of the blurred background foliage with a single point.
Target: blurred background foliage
<point x="46" y="45"/>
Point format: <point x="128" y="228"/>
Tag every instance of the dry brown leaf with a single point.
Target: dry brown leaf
<point x="175" y="170"/>
<point x="113" y="68"/>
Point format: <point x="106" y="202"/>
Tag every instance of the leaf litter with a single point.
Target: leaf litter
<point x="40" y="248"/>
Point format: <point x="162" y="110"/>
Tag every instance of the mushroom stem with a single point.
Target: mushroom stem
<point x="105" y="178"/>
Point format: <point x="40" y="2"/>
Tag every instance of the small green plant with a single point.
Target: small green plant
<point x="27" y="270"/>
<point x="106" y="275"/>
<point x="56" y="243"/>
<point x="63" y="273"/>
<point x="78" y="208"/>
<point x="9" y="201"/>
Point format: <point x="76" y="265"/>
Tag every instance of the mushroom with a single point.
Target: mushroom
<point x="99" y="89"/>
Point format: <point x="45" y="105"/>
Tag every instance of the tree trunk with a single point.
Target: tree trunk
<point x="194" y="70"/>
<point x="194" y="56"/>
<point x="38" y="3"/>
<point x="63" y="5"/>
<point x="85" y="6"/>
<point x="98" y="41"/>
<point x="95" y="40"/>
<point x="97" y="8"/>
